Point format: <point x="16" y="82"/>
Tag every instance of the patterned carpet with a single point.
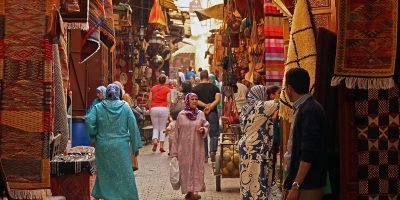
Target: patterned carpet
<point x="26" y="82"/>
<point x="367" y="43"/>
<point x="377" y="121"/>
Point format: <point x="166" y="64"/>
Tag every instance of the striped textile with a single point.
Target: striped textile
<point x="274" y="43"/>
<point x="26" y="97"/>
<point x="107" y="32"/>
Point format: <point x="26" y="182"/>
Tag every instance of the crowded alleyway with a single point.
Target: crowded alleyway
<point x="152" y="180"/>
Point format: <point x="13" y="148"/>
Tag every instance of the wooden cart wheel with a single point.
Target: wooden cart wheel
<point x="217" y="173"/>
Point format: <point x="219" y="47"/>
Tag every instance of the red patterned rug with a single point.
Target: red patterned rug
<point x="26" y="95"/>
<point x="367" y="43"/>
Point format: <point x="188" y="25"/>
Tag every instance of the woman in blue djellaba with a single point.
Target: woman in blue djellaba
<point x="101" y="95"/>
<point x="112" y="126"/>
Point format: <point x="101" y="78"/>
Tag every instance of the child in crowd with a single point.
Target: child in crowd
<point x="170" y="131"/>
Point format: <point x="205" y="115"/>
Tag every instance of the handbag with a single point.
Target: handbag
<point x="138" y="112"/>
<point x="174" y="174"/>
<point x="230" y="110"/>
<point x="71" y="6"/>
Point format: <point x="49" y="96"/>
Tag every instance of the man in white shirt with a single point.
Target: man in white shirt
<point x="181" y="76"/>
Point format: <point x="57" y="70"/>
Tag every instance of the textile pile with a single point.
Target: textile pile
<point x="274" y="43"/>
<point x="26" y="89"/>
<point x="299" y="55"/>
<point x="367" y="44"/>
<point x="377" y="121"/>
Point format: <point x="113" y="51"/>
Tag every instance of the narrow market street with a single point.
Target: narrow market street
<point x="152" y="179"/>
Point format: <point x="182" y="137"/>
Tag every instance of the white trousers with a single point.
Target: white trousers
<point x="159" y="117"/>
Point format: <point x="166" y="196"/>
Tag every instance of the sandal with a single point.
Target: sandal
<point x="196" y="197"/>
<point x="162" y="150"/>
<point x="154" y="147"/>
<point x="188" y="195"/>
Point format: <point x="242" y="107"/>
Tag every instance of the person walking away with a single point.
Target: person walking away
<point x="274" y="93"/>
<point x="198" y="72"/>
<point x="189" y="74"/>
<point x="101" y="94"/>
<point x="181" y="77"/>
<point x="188" y="147"/>
<point x="128" y="99"/>
<point x="121" y="87"/>
<point x="159" y="101"/>
<point x="213" y="79"/>
<point x="306" y="157"/>
<point x="240" y="96"/>
<point x="111" y="126"/>
<point x="255" y="145"/>
<point x="209" y="98"/>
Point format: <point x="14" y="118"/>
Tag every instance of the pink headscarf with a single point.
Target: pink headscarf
<point x="190" y="112"/>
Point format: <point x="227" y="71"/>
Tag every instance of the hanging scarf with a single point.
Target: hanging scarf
<point x="190" y="112"/>
<point x="257" y="93"/>
<point x="113" y="92"/>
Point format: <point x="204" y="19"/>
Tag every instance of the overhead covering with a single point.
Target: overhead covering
<point x="168" y="4"/>
<point x="157" y="15"/>
<point x="216" y="12"/>
<point x="187" y="48"/>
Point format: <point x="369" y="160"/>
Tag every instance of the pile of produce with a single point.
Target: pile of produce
<point x="230" y="158"/>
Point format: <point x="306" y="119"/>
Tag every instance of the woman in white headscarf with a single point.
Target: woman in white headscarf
<point x="255" y="146"/>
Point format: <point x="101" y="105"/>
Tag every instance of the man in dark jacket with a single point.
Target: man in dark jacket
<point x="306" y="153"/>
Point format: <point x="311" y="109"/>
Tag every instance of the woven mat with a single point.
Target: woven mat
<point x="26" y="82"/>
<point x="299" y="55"/>
<point x="377" y="121"/>
<point x="60" y="108"/>
<point x="367" y="43"/>
<point x="107" y="32"/>
<point x="78" y="20"/>
<point x="91" y="39"/>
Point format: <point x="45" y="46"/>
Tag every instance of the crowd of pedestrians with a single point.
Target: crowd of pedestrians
<point x="192" y="125"/>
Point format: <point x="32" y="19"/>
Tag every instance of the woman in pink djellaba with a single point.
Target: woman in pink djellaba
<point x="190" y="131"/>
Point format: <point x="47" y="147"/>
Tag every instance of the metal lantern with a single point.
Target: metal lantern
<point x="156" y="62"/>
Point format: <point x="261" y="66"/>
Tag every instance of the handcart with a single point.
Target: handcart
<point x="227" y="160"/>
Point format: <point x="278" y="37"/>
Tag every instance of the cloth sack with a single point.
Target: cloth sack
<point x="174" y="174"/>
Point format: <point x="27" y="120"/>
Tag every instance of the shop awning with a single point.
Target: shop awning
<point x="168" y="4"/>
<point x="187" y="48"/>
<point x="216" y="12"/>
<point x="157" y="15"/>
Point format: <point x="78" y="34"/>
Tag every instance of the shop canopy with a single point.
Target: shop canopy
<point x="216" y="12"/>
<point x="187" y="48"/>
<point x="169" y="4"/>
<point x="157" y="15"/>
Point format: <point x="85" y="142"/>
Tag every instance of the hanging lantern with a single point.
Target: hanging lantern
<point x="156" y="62"/>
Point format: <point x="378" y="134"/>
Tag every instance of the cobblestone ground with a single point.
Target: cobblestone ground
<point x="152" y="179"/>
